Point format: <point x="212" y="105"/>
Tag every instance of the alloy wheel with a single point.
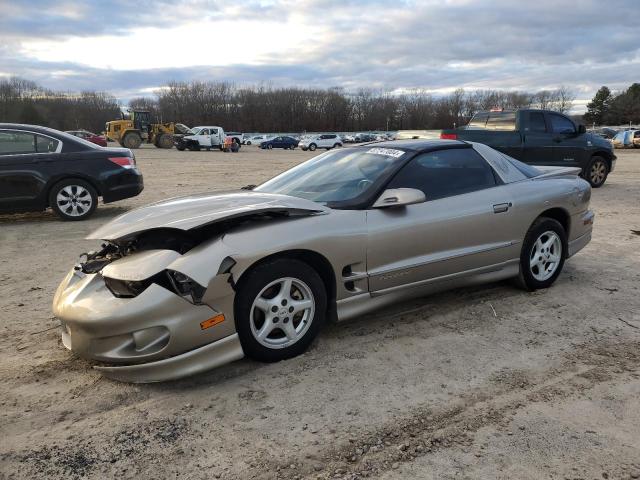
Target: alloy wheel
<point x="74" y="200"/>
<point x="545" y="255"/>
<point x="598" y="172"/>
<point x="282" y="313"/>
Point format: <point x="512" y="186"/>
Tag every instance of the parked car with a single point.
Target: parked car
<point x="192" y="283"/>
<point x="349" y="138"/>
<point x="288" y="143"/>
<point x="91" y="137"/>
<point x="236" y="136"/>
<point x="206" y="137"/>
<point x="541" y="137"/>
<point x="41" y="167"/>
<point x="627" y="139"/>
<point x="257" y="139"/>
<point x="364" y="137"/>
<point x="326" y="140"/>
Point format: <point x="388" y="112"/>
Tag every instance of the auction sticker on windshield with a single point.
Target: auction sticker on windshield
<point x="389" y="152"/>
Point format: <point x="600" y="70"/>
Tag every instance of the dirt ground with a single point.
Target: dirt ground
<point x="488" y="382"/>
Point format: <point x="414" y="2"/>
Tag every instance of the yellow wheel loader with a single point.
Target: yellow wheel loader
<point x="135" y="127"/>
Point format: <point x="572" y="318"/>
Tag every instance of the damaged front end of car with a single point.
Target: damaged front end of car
<point x="156" y="304"/>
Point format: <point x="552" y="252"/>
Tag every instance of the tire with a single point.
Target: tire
<point x="312" y="147"/>
<point x="337" y="145"/>
<point x="597" y="171"/>
<point x="79" y="208"/>
<point x="181" y="148"/>
<point x="132" y="141"/>
<point x="248" y="142"/>
<point x="270" y="147"/>
<point x="164" y="141"/>
<point x="546" y="240"/>
<point x="260" y="330"/>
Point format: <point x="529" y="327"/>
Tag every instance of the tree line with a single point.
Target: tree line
<point x="23" y="101"/>
<point x="619" y="108"/>
<point x="263" y="108"/>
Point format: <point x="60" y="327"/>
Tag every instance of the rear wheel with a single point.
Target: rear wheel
<point x="132" y="140"/>
<point x="73" y="199"/>
<point x="337" y="145"/>
<point x="597" y="172"/>
<point x="280" y="308"/>
<point x="543" y="254"/>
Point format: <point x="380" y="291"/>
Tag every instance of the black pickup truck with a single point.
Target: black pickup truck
<point x="541" y="137"/>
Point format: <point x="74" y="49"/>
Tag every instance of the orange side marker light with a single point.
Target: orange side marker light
<point x="212" y="321"/>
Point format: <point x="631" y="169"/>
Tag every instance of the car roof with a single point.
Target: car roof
<point x="32" y="128"/>
<point x="419" y="145"/>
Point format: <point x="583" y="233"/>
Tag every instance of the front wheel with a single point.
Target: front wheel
<point x="312" y="147"/>
<point x="543" y="254"/>
<point x="269" y="147"/>
<point x="73" y="199"/>
<point x="597" y="172"/>
<point x="280" y="308"/>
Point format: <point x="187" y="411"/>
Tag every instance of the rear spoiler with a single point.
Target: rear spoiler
<point x="556" y="172"/>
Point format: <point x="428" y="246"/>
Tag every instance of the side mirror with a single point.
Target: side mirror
<point x="582" y="129"/>
<point x="399" y="197"/>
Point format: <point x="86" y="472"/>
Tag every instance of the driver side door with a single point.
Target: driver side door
<point x="462" y="228"/>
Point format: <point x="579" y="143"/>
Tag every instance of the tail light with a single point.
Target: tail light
<point x="124" y="162"/>
<point x="449" y="136"/>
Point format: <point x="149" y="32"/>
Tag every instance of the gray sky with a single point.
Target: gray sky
<point x="433" y="45"/>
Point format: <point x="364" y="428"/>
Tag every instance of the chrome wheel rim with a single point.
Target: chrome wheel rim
<point x="74" y="200"/>
<point x="545" y="256"/>
<point x="598" y="172"/>
<point x="282" y="313"/>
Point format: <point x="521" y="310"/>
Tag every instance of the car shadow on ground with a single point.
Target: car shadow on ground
<point x="420" y="309"/>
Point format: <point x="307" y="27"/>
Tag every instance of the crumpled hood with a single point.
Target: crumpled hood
<point x="185" y="213"/>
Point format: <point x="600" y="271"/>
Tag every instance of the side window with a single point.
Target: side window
<point x="12" y="142"/>
<point x="214" y="131"/>
<point x="502" y="121"/>
<point x="536" y="122"/>
<point x="560" y="124"/>
<point x="479" y="120"/>
<point x="445" y="173"/>
<point x="204" y="131"/>
<point x="46" y="144"/>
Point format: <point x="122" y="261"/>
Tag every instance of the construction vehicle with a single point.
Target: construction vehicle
<point x="135" y="127"/>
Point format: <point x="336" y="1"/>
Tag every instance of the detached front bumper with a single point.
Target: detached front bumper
<point x="154" y="336"/>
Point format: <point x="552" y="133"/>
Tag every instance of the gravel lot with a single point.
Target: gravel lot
<point x="488" y="382"/>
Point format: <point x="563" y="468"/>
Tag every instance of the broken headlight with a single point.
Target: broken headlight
<point x="185" y="286"/>
<point x="125" y="288"/>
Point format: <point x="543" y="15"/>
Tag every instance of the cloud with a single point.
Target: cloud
<point x="434" y="45"/>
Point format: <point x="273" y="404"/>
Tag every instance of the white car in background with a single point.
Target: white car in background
<point x="326" y="140"/>
<point x="257" y="139"/>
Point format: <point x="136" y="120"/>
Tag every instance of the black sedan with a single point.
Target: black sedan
<point x="288" y="143"/>
<point x="41" y="167"/>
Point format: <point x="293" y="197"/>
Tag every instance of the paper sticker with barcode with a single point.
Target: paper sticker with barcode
<point x="389" y="152"/>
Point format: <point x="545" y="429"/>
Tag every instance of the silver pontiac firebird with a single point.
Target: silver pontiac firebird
<point x="191" y="283"/>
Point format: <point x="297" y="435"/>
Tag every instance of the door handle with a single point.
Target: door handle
<point x="501" y="207"/>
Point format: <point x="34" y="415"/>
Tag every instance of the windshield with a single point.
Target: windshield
<point x="336" y="176"/>
<point x="195" y="130"/>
